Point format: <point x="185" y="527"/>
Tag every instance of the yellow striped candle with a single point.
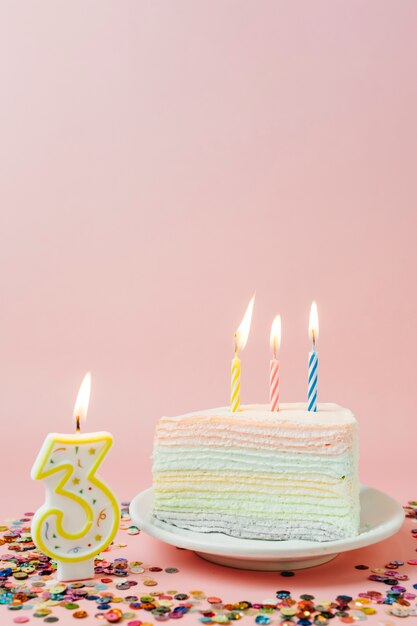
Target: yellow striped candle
<point x="241" y="337"/>
<point x="235" y="387"/>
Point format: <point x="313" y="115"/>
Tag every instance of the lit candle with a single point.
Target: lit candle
<point x="81" y="515"/>
<point x="241" y="337"/>
<point x="313" y="359"/>
<point x="275" y="340"/>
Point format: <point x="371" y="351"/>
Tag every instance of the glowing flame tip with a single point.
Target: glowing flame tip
<point x="313" y="326"/>
<point x="275" y="337"/>
<point x="242" y="333"/>
<point x="83" y="399"/>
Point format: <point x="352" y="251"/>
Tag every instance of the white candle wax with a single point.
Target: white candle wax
<point x="80" y="516"/>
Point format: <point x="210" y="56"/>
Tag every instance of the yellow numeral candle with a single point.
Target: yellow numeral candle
<point x="80" y="516"/>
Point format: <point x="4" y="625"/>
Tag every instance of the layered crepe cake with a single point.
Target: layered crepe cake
<point x="258" y="474"/>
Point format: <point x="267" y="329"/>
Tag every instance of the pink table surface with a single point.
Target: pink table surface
<point x="231" y="585"/>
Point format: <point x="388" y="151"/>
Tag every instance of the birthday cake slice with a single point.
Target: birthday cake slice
<point x="290" y="474"/>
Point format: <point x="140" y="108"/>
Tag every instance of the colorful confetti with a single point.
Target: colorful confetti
<point x="28" y="583"/>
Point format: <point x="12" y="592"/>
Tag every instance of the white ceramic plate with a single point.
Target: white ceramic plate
<point x="381" y="517"/>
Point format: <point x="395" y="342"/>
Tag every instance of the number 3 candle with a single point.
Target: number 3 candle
<point x="80" y="516"/>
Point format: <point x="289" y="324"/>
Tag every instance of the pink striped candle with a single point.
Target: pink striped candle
<point x="275" y="340"/>
<point x="274" y="384"/>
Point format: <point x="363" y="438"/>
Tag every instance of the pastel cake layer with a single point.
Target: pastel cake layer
<point x="291" y="474"/>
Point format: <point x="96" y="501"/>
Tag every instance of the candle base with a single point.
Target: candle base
<point x="83" y="570"/>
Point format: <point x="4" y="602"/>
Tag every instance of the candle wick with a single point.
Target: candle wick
<point x="314" y="341"/>
<point x="77" y="424"/>
<point x="236" y="347"/>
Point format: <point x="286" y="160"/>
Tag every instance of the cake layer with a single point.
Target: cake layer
<point x="328" y="414"/>
<point x="191" y="458"/>
<point x="255" y="428"/>
<point x="253" y="528"/>
<point x="290" y="474"/>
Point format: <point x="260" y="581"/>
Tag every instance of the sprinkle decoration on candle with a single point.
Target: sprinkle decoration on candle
<point x="241" y="338"/>
<point x="81" y="515"/>
<point x="275" y="340"/>
<point x="313" y="359"/>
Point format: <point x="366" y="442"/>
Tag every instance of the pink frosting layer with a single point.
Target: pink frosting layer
<point x="283" y="432"/>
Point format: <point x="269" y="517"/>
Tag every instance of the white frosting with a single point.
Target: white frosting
<point x="327" y="414"/>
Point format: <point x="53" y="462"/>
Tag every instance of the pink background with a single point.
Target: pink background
<point x="159" y="161"/>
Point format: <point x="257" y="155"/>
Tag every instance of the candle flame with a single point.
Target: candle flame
<point x="242" y="333"/>
<point x="275" y="337"/>
<point x="313" y="326"/>
<point x="82" y="401"/>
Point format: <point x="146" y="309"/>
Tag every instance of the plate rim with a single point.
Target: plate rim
<point x="267" y="549"/>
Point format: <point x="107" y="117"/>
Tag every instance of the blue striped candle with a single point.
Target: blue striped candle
<point x="313" y="364"/>
<point x="313" y="359"/>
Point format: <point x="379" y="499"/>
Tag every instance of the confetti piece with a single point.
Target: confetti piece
<point x="27" y="581"/>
